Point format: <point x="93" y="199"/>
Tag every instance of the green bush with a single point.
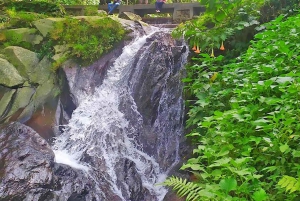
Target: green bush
<point x="91" y="10"/>
<point x="246" y="119"/>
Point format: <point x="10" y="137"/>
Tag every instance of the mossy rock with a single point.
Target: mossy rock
<point x="46" y="25"/>
<point x="130" y="16"/>
<point x="21" y="100"/>
<point x="5" y="100"/>
<point x="16" y="36"/>
<point x="42" y="72"/>
<point x="9" y="76"/>
<point x="24" y="60"/>
<point x="47" y="91"/>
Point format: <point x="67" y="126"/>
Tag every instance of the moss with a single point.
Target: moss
<point x="87" y="37"/>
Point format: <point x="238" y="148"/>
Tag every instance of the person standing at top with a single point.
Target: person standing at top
<point x="113" y="6"/>
<point x="159" y="4"/>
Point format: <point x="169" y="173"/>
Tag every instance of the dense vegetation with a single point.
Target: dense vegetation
<point x="243" y="110"/>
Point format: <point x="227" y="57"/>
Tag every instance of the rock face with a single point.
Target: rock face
<point x="28" y="87"/>
<point x="26" y="164"/>
<point x="10" y="76"/>
<point x="157" y="92"/>
<point x="153" y="92"/>
<point x="151" y="106"/>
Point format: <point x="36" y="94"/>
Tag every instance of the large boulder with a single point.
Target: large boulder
<point x="26" y="164"/>
<point x="5" y="100"/>
<point x="18" y="102"/>
<point x="24" y="60"/>
<point x="23" y="35"/>
<point x="46" y="25"/>
<point x="42" y="72"/>
<point x="9" y="76"/>
<point x="30" y="89"/>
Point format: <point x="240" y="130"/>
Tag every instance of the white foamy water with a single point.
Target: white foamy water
<point x="98" y="128"/>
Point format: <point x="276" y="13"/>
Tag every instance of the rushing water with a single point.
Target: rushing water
<point x="100" y="130"/>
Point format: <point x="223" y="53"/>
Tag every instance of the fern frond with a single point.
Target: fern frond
<point x="184" y="188"/>
<point x="290" y="184"/>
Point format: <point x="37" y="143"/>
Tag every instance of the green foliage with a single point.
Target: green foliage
<point x="46" y="49"/>
<point x="52" y="9"/>
<point x="245" y="117"/>
<point x="290" y="184"/>
<point x="224" y="19"/>
<point x="88" y="39"/>
<point x="91" y="10"/>
<point x="191" y="190"/>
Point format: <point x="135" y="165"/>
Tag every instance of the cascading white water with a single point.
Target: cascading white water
<point x="99" y="129"/>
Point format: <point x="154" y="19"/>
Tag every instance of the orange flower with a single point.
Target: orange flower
<point x="222" y="47"/>
<point x="212" y="53"/>
<point x="197" y="50"/>
<point x="194" y="48"/>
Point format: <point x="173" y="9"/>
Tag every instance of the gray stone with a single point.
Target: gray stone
<point x="23" y="35"/>
<point x="25" y="61"/>
<point x="44" y="92"/>
<point x="46" y="25"/>
<point x="20" y="101"/>
<point x="5" y="100"/>
<point x="130" y="16"/>
<point x="42" y="72"/>
<point x="9" y="76"/>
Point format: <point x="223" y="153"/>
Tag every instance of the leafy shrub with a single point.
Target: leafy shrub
<point x="246" y="118"/>
<point x="91" y="10"/>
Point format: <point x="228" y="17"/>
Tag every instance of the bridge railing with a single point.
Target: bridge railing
<point x="176" y="9"/>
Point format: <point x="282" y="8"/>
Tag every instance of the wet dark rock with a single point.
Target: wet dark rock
<point x="84" y="80"/>
<point x="154" y="88"/>
<point x="157" y="91"/>
<point x="26" y="162"/>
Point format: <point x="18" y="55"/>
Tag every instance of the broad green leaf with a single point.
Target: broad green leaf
<point x="228" y="184"/>
<point x="220" y="15"/>
<point x="260" y="195"/>
<point x="296" y="154"/>
<point x="242" y="172"/>
<point x="284" y="148"/>
<point x="193" y="167"/>
<point x="220" y="162"/>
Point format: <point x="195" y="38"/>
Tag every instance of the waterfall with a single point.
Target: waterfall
<point x="101" y="141"/>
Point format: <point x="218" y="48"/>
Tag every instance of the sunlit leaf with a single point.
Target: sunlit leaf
<point x="228" y="184"/>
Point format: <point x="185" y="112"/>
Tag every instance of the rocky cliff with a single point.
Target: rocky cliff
<point x="38" y="98"/>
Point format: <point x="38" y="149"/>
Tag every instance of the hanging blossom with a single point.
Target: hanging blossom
<point x="194" y="48"/>
<point x="212" y="53"/>
<point x="222" y="47"/>
<point x="197" y="50"/>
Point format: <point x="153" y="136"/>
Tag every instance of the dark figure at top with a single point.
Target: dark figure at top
<point x="113" y="6"/>
<point x="159" y="4"/>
